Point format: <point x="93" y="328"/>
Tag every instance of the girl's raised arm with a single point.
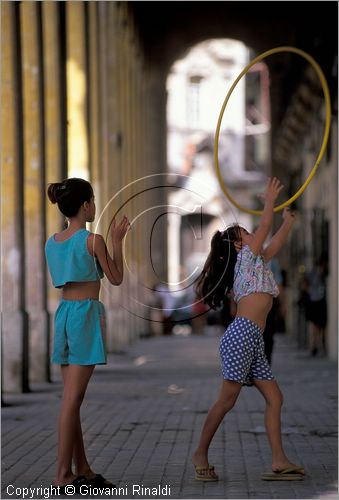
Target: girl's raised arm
<point x="113" y="268"/>
<point x="281" y="235"/>
<point x="273" y="189"/>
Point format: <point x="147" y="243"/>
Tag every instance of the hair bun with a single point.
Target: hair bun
<point x="70" y="194"/>
<point x="53" y="190"/>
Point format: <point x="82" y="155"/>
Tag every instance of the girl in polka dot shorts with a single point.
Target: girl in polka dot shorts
<point x="237" y="262"/>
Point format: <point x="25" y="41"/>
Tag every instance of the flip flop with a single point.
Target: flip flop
<point x="77" y="483"/>
<point x="99" y="480"/>
<point x="289" y="474"/>
<point x="205" y="473"/>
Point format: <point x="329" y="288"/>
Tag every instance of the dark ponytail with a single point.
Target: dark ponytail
<point x="70" y="194"/>
<point x="217" y="276"/>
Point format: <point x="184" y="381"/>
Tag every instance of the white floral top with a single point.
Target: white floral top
<point x="252" y="275"/>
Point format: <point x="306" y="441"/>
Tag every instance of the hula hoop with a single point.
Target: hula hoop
<point x="326" y="92"/>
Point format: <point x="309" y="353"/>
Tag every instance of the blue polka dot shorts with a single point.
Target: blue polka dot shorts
<point x="242" y="353"/>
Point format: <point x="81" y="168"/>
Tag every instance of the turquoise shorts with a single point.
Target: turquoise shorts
<point x="79" y="330"/>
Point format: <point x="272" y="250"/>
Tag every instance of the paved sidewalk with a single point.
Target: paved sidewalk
<point x="143" y="414"/>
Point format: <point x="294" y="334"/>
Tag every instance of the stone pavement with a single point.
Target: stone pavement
<point x="142" y="417"/>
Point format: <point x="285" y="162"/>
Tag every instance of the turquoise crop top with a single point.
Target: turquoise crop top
<point x="252" y="275"/>
<point x="70" y="260"/>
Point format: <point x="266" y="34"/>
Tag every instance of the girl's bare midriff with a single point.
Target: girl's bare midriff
<point x="255" y="307"/>
<point x="81" y="291"/>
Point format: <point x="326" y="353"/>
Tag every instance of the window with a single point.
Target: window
<point x="193" y="104"/>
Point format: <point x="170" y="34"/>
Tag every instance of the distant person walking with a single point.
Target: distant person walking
<point x="316" y="309"/>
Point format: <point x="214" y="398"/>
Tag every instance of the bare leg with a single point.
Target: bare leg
<point x="225" y="402"/>
<point x="76" y="379"/>
<point x="274" y="399"/>
<point x="319" y="339"/>
<point x="323" y="339"/>
<point x="314" y="339"/>
<point x="82" y="467"/>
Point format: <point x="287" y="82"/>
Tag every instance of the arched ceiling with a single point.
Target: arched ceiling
<point x="169" y="29"/>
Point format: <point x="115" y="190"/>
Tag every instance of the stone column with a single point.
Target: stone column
<point x="119" y="145"/>
<point x="76" y="78"/>
<point x="129" y="151"/>
<point x="34" y="196"/>
<point x="14" y="338"/>
<point x="109" y="170"/>
<point x="157" y="131"/>
<point x="94" y="96"/>
<point x="54" y="131"/>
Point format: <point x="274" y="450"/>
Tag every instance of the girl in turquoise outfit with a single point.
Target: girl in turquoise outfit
<point x="77" y="260"/>
<point x="239" y="263"/>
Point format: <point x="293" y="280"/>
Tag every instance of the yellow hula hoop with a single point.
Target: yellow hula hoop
<point x="325" y="135"/>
